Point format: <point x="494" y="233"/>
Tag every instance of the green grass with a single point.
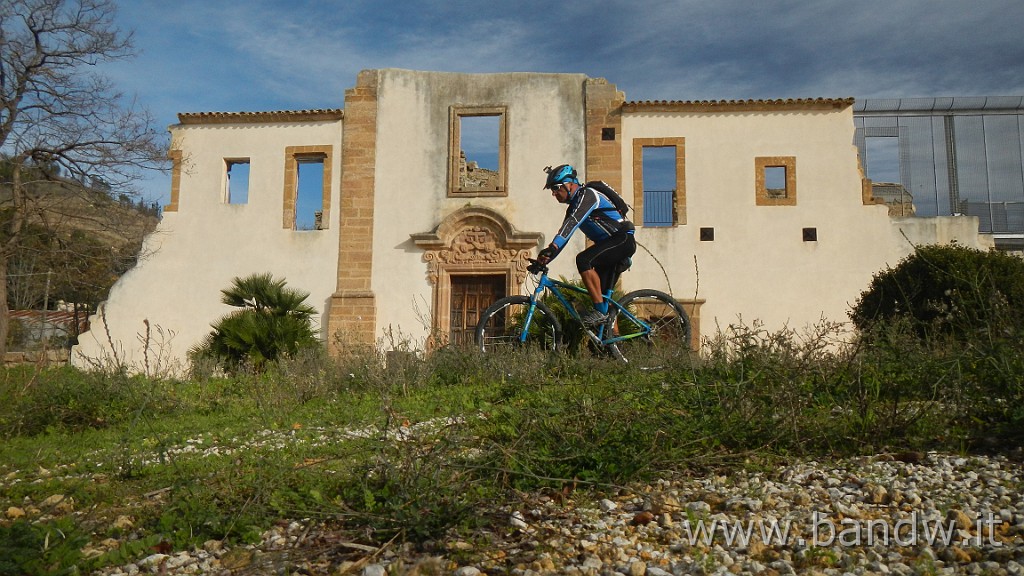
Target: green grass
<point x="291" y="442"/>
<point x="424" y="448"/>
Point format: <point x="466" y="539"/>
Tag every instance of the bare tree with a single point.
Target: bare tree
<point x="64" y="128"/>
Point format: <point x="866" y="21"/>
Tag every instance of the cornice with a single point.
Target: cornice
<point x="737" y="105"/>
<point x="317" y="115"/>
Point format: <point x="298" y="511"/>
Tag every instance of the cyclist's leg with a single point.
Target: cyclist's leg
<point x="592" y="281"/>
<point x="603" y="259"/>
<point x="589" y="272"/>
<point x="610" y="265"/>
<point x="614" y="271"/>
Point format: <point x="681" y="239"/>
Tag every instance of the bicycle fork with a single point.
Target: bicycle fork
<point x="528" y="321"/>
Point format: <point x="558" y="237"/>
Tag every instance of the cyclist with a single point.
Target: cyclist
<point x="612" y="234"/>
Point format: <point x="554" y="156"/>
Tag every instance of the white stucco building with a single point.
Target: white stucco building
<point x="769" y="208"/>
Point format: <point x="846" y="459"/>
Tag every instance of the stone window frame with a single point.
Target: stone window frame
<point x="293" y="155"/>
<point x="761" y="196"/>
<point x="176" y="158"/>
<point x="456" y="113"/>
<point x="679" y="198"/>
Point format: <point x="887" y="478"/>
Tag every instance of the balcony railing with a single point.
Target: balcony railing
<point x="658" y="208"/>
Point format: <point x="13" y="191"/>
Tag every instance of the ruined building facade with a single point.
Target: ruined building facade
<point x="765" y="216"/>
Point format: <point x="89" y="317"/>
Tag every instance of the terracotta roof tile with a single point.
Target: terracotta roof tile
<point x="736" y="105"/>
<point x="260" y="117"/>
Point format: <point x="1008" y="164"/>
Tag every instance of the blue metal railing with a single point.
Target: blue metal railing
<point x="658" y="208"/>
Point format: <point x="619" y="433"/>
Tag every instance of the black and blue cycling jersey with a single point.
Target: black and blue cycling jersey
<point x="592" y="213"/>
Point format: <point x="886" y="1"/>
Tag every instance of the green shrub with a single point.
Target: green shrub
<point x="53" y="547"/>
<point x="272" y="322"/>
<point x="66" y="398"/>
<point x="946" y="325"/>
<point x="17" y="334"/>
<point x="588" y="421"/>
<point x="768" y="388"/>
<point x="417" y="489"/>
<point x="948" y="289"/>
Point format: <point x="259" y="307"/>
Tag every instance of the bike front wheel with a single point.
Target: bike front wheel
<point x="509" y="324"/>
<point x="662" y="334"/>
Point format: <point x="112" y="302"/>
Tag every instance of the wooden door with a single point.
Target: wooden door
<point x="471" y="295"/>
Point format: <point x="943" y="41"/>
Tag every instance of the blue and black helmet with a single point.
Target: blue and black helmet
<point x="560" y="175"/>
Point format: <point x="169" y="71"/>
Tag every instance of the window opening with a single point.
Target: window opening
<point x="237" y="172"/>
<point x="309" y="203"/>
<point x="882" y="167"/>
<point x="659" y="184"/>
<point x="775" y="181"/>
<point x="659" y="181"/>
<point x="478" y="151"/>
<point x="307" y="188"/>
<point x="480" y="142"/>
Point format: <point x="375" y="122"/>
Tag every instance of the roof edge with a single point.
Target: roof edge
<point x="737" y="105"/>
<point x="327" y="114"/>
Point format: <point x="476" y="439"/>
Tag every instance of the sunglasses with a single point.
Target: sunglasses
<point x="557" y="187"/>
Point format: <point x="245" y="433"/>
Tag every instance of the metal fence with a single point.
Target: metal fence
<point x="44" y="329"/>
<point x="953" y="155"/>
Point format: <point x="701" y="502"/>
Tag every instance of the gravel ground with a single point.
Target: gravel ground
<point x="909" y="513"/>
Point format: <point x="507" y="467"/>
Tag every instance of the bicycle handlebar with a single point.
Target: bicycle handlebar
<point x="536" y="267"/>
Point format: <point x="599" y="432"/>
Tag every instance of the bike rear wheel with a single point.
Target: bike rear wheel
<point x="502" y="325"/>
<point x="669" y="335"/>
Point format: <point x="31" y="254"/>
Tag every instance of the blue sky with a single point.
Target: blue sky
<point x="214" y="55"/>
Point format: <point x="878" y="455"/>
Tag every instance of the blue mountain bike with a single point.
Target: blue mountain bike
<point x="645" y="327"/>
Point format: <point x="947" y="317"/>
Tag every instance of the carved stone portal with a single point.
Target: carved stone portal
<point x="473" y="241"/>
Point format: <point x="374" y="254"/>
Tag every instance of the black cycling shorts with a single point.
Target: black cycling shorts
<point x="605" y="256"/>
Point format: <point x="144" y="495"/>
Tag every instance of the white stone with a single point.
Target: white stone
<point x="152" y="562"/>
<point x="517" y="520"/>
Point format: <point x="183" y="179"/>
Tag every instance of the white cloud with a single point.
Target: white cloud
<point x="203" y="55"/>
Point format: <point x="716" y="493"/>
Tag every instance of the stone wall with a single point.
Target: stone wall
<point x="37" y="357"/>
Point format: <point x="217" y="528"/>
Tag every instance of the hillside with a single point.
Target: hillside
<point x="80" y="239"/>
<point x="68" y="206"/>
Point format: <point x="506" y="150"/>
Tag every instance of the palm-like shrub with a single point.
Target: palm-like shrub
<point x="272" y="322"/>
<point x="573" y="336"/>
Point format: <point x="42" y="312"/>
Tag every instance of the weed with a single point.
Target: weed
<point x="817" y="557"/>
<point x="68" y="399"/>
<point x="415" y="490"/>
<point x="390" y="443"/>
<point x="51" y="547"/>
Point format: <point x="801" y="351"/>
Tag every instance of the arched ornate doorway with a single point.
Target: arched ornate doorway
<point x="473" y="257"/>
